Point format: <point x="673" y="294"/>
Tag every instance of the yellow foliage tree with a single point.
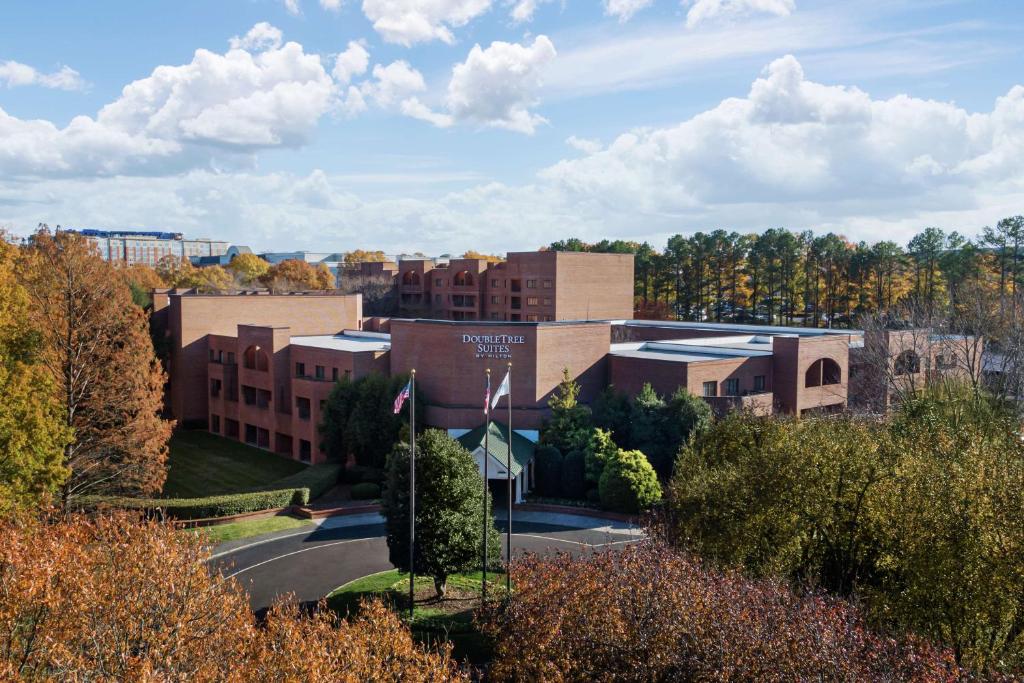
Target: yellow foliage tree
<point x="360" y="256"/>
<point x="490" y="258"/>
<point x="248" y="268"/>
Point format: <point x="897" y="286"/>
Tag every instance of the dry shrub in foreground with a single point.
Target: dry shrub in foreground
<point x="111" y="599"/>
<point x="649" y="613"/>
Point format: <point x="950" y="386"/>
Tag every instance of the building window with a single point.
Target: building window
<point x="710" y="388"/>
<point x="256" y="359"/>
<point x="823" y="372"/>
<point x="321" y="372"/>
<point x="516" y="286"/>
<point x="758" y="382"/>
<point x="262" y="399"/>
<point x="516" y="305"/>
<point x="463" y="279"/>
<point x="215" y="385"/>
<point x="305" y="450"/>
<point x="231" y="357"/>
<point x="495" y="282"/>
<point x="532" y="318"/>
<point x="302" y="404"/>
<point x="532" y="301"/>
<point x="300" y="369"/>
<point x="547" y="301"/>
<point x="438" y="282"/>
<point x="213" y="355"/>
<point x="215" y="424"/>
<point x="495" y="316"/>
<point x="732" y="386"/>
<point x="251" y="437"/>
<point x="334" y="374"/>
<point x="249" y="395"/>
<point x="437" y="298"/>
<point x="283" y="444"/>
<point x="231" y="428"/>
<point x="531" y="284"/>
<point x="496" y="300"/>
<point x="547" y="284"/>
<point x="263" y="438"/>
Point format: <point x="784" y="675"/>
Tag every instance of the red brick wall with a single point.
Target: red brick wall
<point x="193" y="317"/>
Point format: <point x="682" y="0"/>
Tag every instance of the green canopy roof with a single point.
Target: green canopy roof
<point x="522" y="448"/>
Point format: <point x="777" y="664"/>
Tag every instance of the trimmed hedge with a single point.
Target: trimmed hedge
<point x="296" y="489"/>
<point x="365" y="491"/>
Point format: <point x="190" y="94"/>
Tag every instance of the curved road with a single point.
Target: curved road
<point x="314" y="561"/>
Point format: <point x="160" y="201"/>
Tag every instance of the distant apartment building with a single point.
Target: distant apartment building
<point x="535" y="286"/>
<point x="148" y="247"/>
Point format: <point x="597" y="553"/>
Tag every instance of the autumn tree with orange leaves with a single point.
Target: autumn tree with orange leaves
<point x="108" y="598"/>
<point x="298" y="275"/>
<point x="96" y="346"/>
<point x="650" y="613"/>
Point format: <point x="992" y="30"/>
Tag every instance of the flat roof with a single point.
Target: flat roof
<point x="353" y="342"/>
<point x="697" y="350"/>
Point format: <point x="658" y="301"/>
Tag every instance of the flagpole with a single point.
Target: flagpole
<point x="412" y="493"/>
<point x="487" y="456"/>
<point x="508" y="474"/>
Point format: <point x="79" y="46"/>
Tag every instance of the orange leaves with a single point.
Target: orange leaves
<point x="648" y="613"/>
<point x="111" y="599"/>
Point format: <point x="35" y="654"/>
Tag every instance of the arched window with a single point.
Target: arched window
<point x="411" y="277"/>
<point x="463" y="279"/>
<point x="907" y="363"/>
<point x="255" y="359"/>
<point x="822" y="372"/>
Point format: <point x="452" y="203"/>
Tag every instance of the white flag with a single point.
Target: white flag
<point x="503" y="390"/>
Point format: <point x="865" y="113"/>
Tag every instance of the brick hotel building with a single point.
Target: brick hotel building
<point x="258" y="367"/>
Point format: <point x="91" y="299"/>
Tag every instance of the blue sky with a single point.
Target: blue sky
<point x="444" y="125"/>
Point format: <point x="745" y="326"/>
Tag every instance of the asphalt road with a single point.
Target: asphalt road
<point x="311" y="563"/>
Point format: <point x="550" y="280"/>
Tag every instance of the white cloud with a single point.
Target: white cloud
<point x="497" y="86"/>
<point x="216" y="108"/>
<point x="14" y="74"/>
<point x="584" y="145"/>
<point x="393" y="83"/>
<point x="624" y="10"/>
<point x="523" y="10"/>
<point x="705" y="10"/>
<point x="794" y="147"/>
<point x="293" y="7"/>
<point x="408" y="22"/>
<point x="417" y="110"/>
<point x="262" y="36"/>
<point x="352" y="62"/>
<point x="331" y="5"/>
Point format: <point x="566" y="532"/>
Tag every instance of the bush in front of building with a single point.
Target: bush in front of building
<point x="451" y="509"/>
<point x="629" y="483"/>
<point x="574" y="468"/>
<point x="600" y="449"/>
<point x="549" y="471"/>
<point x="365" y="491"/>
<point x="569" y="427"/>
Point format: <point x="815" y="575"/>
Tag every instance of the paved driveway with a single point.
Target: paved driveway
<point x="313" y="562"/>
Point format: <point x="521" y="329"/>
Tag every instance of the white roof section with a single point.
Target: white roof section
<point x="353" y="341"/>
<point x="697" y="350"/>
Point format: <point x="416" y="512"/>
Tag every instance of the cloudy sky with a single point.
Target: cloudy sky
<point x="443" y="125"/>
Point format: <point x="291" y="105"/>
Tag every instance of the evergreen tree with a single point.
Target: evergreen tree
<point x="686" y="416"/>
<point x="568" y="428"/>
<point x="629" y="483"/>
<point x="549" y="471"/>
<point x="611" y="412"/>
<point x="450" y="509"/>
<point x="648" y="430"/>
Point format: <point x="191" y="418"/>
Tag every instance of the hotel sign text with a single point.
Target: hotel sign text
<point x="493" y="345"/>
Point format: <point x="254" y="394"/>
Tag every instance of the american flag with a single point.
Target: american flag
<point x="402" y="396"/>
<point x="487" y="393"/>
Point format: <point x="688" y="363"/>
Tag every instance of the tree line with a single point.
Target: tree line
<point x="784" y="277"/>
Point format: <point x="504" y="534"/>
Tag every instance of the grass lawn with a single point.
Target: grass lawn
<point x="252" y="527"/>
<point x="203" y="464"/>
<point x="434" y="621"/>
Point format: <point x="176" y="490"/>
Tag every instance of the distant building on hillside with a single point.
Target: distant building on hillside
<point x="148" y="246"/>
<point x="222" y="259"/>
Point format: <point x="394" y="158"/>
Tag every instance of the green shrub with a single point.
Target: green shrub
<point x="366" y="491"/>
<point x="629" y="483"/>
<point x="549" y="471"/>
<point x="573" y="473"/>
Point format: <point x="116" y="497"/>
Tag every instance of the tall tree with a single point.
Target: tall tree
<point x="96" y="346"/>
<point x="32" y="432"/>
<point x="248" y="268"/>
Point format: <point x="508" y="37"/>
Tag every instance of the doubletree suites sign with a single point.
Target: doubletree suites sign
<point x="493" y="345"/>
